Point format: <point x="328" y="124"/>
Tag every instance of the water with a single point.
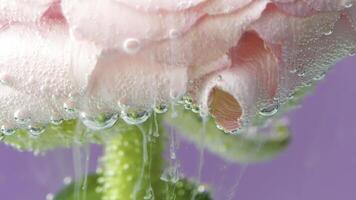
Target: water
<point x="7" y="130"/>
<point x="81" y="158"/>
<point x="135" y="116"/>
<point x="100" y="122"/>
<point x="270" y="110"/>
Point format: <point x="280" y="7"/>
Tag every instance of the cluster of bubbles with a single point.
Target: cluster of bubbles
<point x="130" y="115"/>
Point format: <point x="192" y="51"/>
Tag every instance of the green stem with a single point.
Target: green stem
<point x="132" y="163"/>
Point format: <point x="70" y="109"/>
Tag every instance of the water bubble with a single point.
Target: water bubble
<point x="49" y="196"/>
<point x="100" y="122"/>
<point x="22" y="117"/>
<point x="132" y="45"/>
<point x="319" y="77"/>
<point x="293" y="71"/>
<point x="237" y="131"/>
<point x="201" y="189"/>
<point x="187" y="100"/>
<point x="219" y="127"/>
<point x="301" y="73"/>
<point x="348" y="4"/>
<point x="135" y="116"/>
<point x="328" y="32"/>
<point x="4" y="78"/>
<point x="173" y="155"/>
<point x="161" y="108"/>
<point x="36" y="129"/>
<point x="56" y="121"/>
<point x="67" y="180"/>
<point x="7" y="130"/>
<point x="195" y="108"/>
<point x="173" y="33"/>
<point x="188" y="106"/>
<point x="270" y="110"/>
<point x="171" y="174"/>
<point x="69" y="106"/>
<point x="149" y="194"/>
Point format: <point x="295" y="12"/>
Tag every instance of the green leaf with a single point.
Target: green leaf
<point x="238" y="148"/>
<point x="90" y="193"/>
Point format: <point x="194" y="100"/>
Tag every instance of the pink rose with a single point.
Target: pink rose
<point x="235" y="58"/>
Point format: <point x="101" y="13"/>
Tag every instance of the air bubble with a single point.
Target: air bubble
<point x="201" y="189"/>
<point x="195" y="109"/>
<point x="293" y="71"/>
<point x="301" y="73"/>
<point x="188" y="106"/>
<point x="135" y="116"/>
<point x="270" y="110"/>
<point x="173" y="33"/>
<point x="348" y="4"/>
<point x="187" y="100"/>
<point x="161" y="108"/>
<point x="100" y="122"/>
<point x="327" y="33"/>
<point x="56" y="121"/>
<point x="22" y="117"/>
<point x="132" y="45"/>
<point x="36" y="129"/>
<point x="4" y="78"/>
<point x="7" y="130"/>
<point x="67" y="180"/>
<point x="69" y="106"/>
<point x="149" y="194"/>
<point x="49" y="196"/>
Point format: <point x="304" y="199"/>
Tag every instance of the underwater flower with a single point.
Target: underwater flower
<point x="235" y="59"/>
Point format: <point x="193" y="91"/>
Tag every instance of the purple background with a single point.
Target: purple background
<point x="319" y="164"/>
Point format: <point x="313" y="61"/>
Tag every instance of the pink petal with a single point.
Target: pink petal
<point x="136" y="82"/>
<point x="155" y="5"/>
<point x="351" y="14"/>
<point x="277" y="27"/>
<point x="37" y="110"/>
<point x="297" y="8"/>
<point x="206" y="43"/>
<point x="225" y="6"/>
<point x="329" y="5"/>
<point x="307" y="46"/>
<point x="23" y="10"/>
<point x="43" y="62"/>
<point x="234" y="95"/>
<point x="113" y="25"/>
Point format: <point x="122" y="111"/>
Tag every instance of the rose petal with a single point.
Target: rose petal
<point x="312" y="58"/>
<point x="351" y="14"/>
<point x="114" y="25"/>
<point x="308" y="46"/>
<point x="298" y="8"/>
<point x="44" y="62"/>
<point x="23" y="10"/>
<point x="277" y="27"/>
<point x="135" y="82"/>
<point x="234" y="95"/>
<point x="155" y="5"/>
<point x="206" y="43"/>
<point x="225" y="6"/>
<point x="32" y="108"/>
<point x="329" y="5"/>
